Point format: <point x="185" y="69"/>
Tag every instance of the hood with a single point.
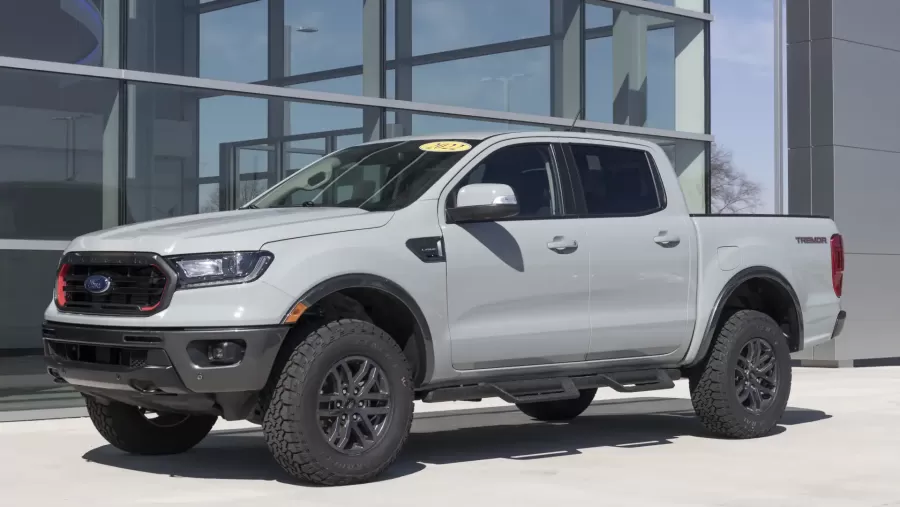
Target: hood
<point x="247" y="229"/>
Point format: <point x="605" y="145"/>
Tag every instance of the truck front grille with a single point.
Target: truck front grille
<point x="132" y="284"/>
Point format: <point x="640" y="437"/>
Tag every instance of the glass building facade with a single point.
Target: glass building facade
<point x="116" y="112"/>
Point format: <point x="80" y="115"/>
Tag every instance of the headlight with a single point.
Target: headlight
<point x="205" y="270"/>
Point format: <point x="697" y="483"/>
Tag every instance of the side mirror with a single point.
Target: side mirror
<point x="481" y="202"/>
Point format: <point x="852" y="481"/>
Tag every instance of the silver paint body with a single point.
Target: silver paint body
<point x="637" y="291"/>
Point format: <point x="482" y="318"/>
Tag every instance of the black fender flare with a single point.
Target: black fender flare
<point x="369" y="281"/>
<point x="726" y="292"/>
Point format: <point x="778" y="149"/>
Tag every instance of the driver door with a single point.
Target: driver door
<point x="514" y="300"/>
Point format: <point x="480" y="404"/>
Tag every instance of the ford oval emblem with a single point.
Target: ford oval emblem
<point x="97" y="284"/>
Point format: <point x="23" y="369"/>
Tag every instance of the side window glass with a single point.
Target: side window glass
<point x="528" y="170"/>
<point x="616" y="181"/>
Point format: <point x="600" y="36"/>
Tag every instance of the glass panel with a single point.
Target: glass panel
<point x="67" y="31"/>
<point x="517" y="81"/>
<point x="325" y="34"/>
<point x="252" y="171"/>
<point x="512" y="73"/>
<point x="632" y="74"/>
<point x="173" y="37"/>
<point x="297" y="161"/>
<point x="379" y="176"/>
<point x="441" y="25"/>
<point x="234" y="43"/>
<point x="182" y="140"/>
<point x="55" y="144"/>
<point x="525" y="168"/>
<point x="208" y="194"/>
<point x="404" y="124"/>
<point x="689" y="160"/>
<point x="24" y="383"/>
<point x="616" y="181"/>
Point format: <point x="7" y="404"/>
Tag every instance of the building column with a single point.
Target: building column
<point x="373" y="51"/>
<point x="279" y="110"/>
<point x="691" y="87"/>
<point x="629" y="68"/>
<point x="690" y="166"/>
<point x="140" y="114"/>
<point x="403" y="81"/>
<point x="567" y="59"/>
<point x="190" y="190"/>
<point x="112" y="154"/>
<point x="690" y="76"/>
<point x="843" y="160"/>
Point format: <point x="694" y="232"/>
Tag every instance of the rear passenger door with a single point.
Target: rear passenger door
<point x="640" y="252"/>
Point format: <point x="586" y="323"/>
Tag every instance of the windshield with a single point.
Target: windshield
<point x="374" y="177"/>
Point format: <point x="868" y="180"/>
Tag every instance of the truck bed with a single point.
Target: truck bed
<point x="796" y="247"/>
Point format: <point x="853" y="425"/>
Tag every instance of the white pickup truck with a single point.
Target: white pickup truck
<point x="535" y="267"/>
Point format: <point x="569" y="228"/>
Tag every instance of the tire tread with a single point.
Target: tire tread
<point x="294" y="455"/>
<point x="710" y="392"/>
<point x="126" y="429"/>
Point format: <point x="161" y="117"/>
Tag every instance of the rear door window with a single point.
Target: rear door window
<point x="617" y="181"/>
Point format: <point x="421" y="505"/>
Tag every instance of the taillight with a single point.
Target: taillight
<point x="837" y="264"/>
<point x="61" y="285"/>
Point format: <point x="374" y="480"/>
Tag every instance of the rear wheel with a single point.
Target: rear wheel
<point x="341" y="409"/>
<point x="742" y="389"/>
<point x="560" y="410"/>
<point x="136" y="431"/>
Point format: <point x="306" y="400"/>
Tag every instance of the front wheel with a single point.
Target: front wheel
<point x="742" y="389"/>
<point x="134" y="431"/>
<point x="342" y="407"/>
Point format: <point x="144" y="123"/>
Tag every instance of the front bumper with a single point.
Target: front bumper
<point x="153" y="366"/>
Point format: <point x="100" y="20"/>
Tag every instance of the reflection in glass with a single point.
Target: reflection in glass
<point x="34" y="28"/>
<point x="400" y="123"/>
<point x="52" y="153"/>
<point x="193" y="151"/>
<point x="24" y="383"/>
<point x="630" y="67"/>
<point x="441" y="25"/>
<point x="324" y="34"/>
<point x="688" y="158"/>
<point x="384" y="176"/>
<point x="233" y="42"/>
<point x="518" y="82"/>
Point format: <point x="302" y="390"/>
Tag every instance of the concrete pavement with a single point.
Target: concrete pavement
<point x="838" y="445"/>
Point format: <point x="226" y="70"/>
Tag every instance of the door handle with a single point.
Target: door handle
<point x="562" y="245"/>
<point x="667" y="240"/>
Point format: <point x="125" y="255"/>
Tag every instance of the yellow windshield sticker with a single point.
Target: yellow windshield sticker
<point x="446" y="146"/>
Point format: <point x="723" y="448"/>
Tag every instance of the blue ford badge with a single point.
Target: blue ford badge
<point x="97" y="284"/>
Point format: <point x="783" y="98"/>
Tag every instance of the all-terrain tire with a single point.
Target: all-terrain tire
<point x="714" y="385"/>
<point x="560" y="410"/>
<point x="127" y="429"/>
<point x="291" y="423"/>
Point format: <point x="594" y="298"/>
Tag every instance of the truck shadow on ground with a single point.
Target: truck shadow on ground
<point x="458" y="437"/>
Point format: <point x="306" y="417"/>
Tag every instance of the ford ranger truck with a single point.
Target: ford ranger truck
<point x="535" y="267"/>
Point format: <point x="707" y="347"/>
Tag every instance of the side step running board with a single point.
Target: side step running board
<point x="556" y="388"/>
